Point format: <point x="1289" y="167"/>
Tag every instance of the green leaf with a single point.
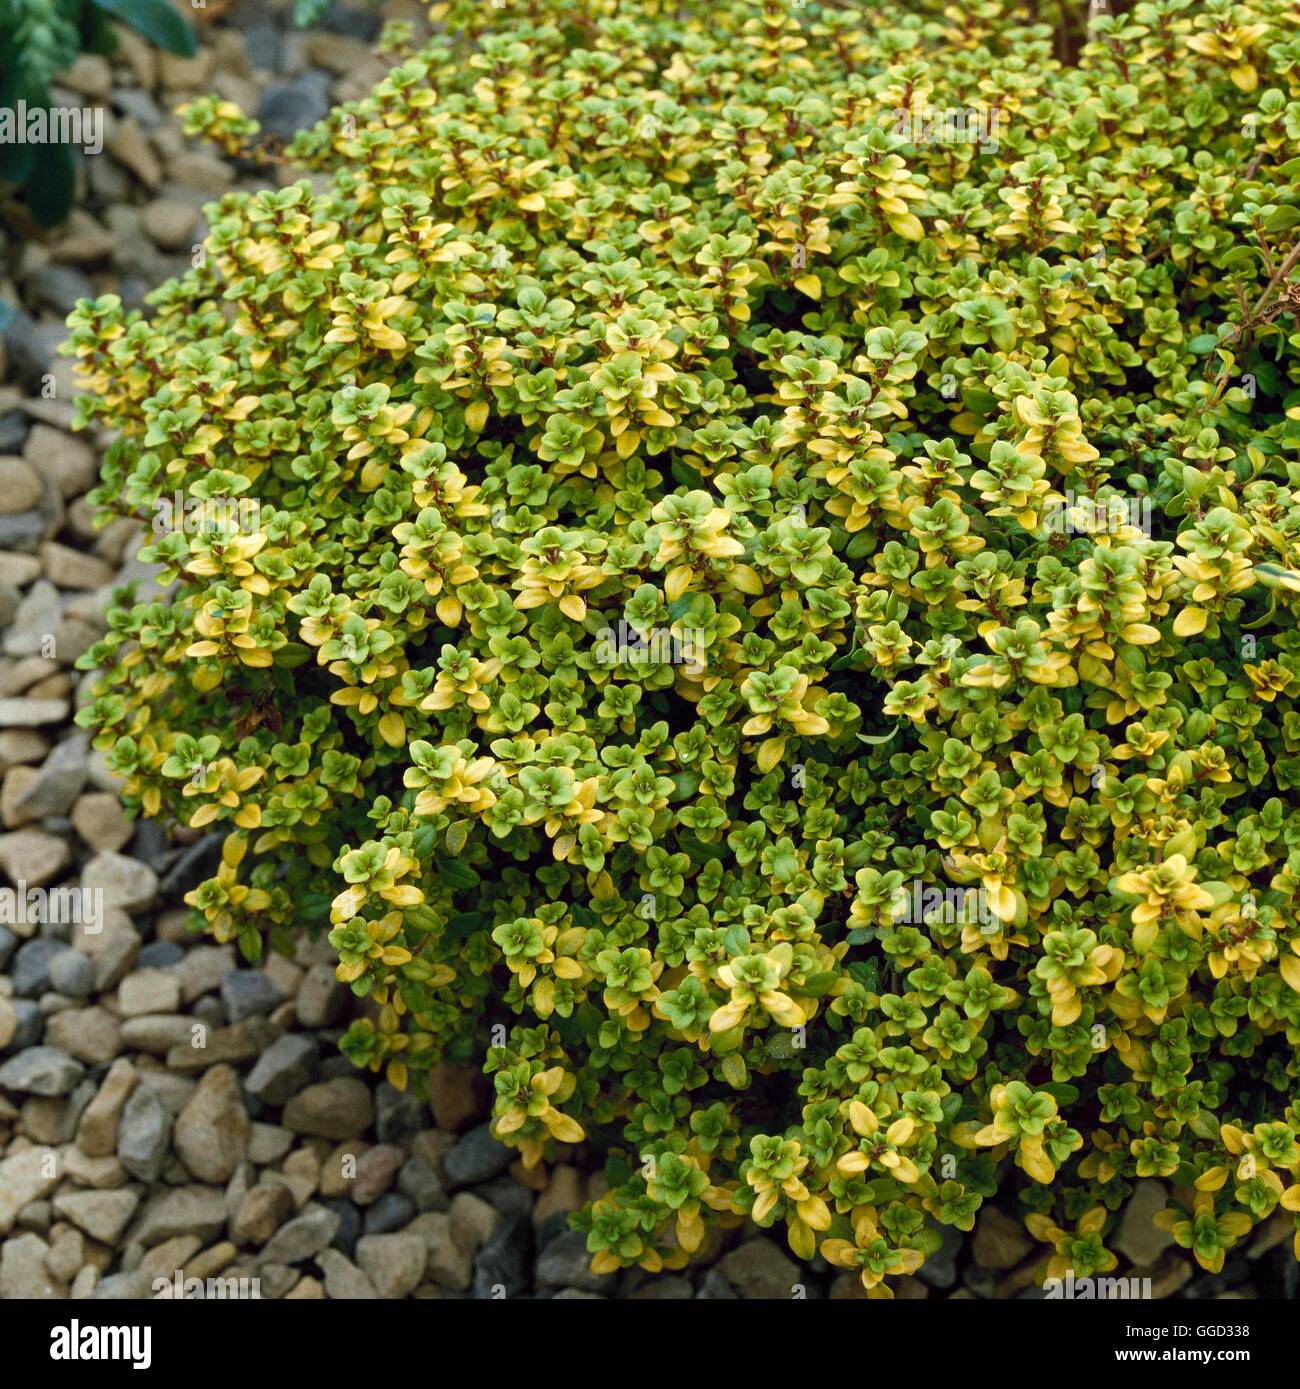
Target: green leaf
<point x="1203" y="344"/>
<point x="157" y="21"/>
<point x="455" y="873"/>
<point x="51" y="185"/>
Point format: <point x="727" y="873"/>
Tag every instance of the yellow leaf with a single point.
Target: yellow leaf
<point x="392" y="730"/>
<point x="562" y="1127"/>
<point x="1190" y="622"/>
<point x="476" y="415"/>
<point x="809" y="285"/>
<point x="1289" y="966"/>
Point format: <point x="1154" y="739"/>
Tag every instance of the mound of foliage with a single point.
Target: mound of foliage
<point x="38" y="40"/>
<point x="772" y="611"/>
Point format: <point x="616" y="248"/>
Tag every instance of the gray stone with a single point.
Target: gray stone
<point x="212" y="1131"/>
<point x="288" y="107"/>
<point x="335" y="1109"/>
<point x="1137" y="1238"/>
<point x="72" y="974"/>
<point x="504" y="1260"/>
<point x="248" y="993"/>
<point x="321" y="1000"/>
<point x="20" y="487"/>
<point x="196" y="863"/>
<point x="477" y="1157"/>
<point x="25" y="1176"/>
<point x="28" y="1024"/>
<point x="126" y="883"/>
<point x="391" y="1212"/>
<point x="31" y="976"/>
<point x="940" y="1268"/>
<point x="262" y="1211"/>
<point x="188" y="1210"/>
<point x="41" y="1071"/>
<point x="103" y="1215"/>
<point x="419" y="1180"/>
<point x="399" y="1114"/>
<point x="756" y="1269"/>
<point x="97" y="1134"/>
<point x="343" y="1280"/>
<point x="394" y="1264"/>
<point x="304" y="1237"/>
<point x="32" y="713"/>
<point x="149" y="991"/>
<point x="142" y="1135"/>
<point x="566" y="1263"/>
<point x="58" y="782"/>
<point x="33" y="858"/>
<point x="24" y="1274"/>
<point x="284" y="1068"/>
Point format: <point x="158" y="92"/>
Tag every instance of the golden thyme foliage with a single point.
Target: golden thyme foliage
<point x="772" y="601"/>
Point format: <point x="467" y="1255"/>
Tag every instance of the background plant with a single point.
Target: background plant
<point x="38" y="40"/>
<point x="615" y="312"/>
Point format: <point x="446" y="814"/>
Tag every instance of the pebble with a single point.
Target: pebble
<point x="188" y="1210"/>
<point x="101" y="1173"/>
<point x="399" y="1114"/>
<point x="97" y="1133"/>
<point x="202" y="969"/>
<point x="103" y="1215"/>
<point x="394" y="1264"/>
<point x="336" y="1109"/>
<point x="33" y="857"/>
<point x="268" y="1143"/>
<point x="20" y="486"/>
<point x="100" y="821"/>
<point x="248" y="993"/>
<point x="262" y="1211"/>
<point x="31" y="713"/>
<point x="92" y="1035"/>
<point x="1137" y="1238"/>
<point x="149" y="991"/>
<point x="756" y="1269"/>
<point x="169" y="223"/>
<point x="419" y="1180"/>
<point x="70" y="464"/>
<point x="23" y="1271"/>
<point x="477" y="1157"/>
<point x="505" y="1260"/>
<point x="41" y="1071"/>
<point x="212" y="1131"/>
<point x="142" y="1135"/>
<point x="304" y="1237"/>
<point x="58" y="781"/>
<point x="25" y="1176"/>
<point x="125" y="882"/>
<point x="288" y="107"/>
<point x="72" y="975"/>
<point x="321" y="1000"/>
<point x="390" y="1213"/>
<point x="473" y="1221"/>
<point x="31" y="973"/>
<point x="376" y="1168"/>
<point x="1000" y="1242"/>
